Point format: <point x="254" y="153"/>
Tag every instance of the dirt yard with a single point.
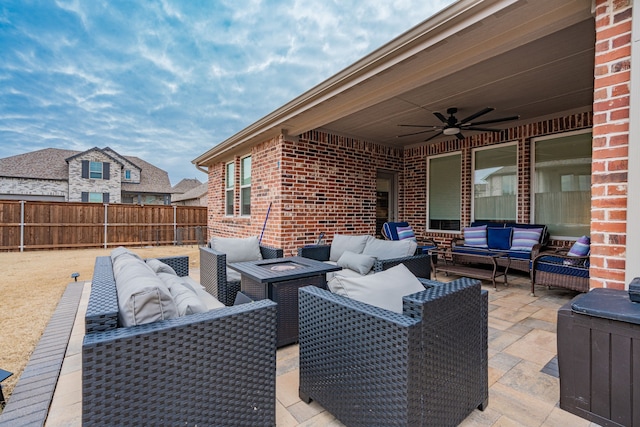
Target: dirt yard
<point x="31" y="283"/>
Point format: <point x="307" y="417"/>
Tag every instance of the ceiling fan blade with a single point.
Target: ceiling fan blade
<point x="416" y="133"/>
<point x="440" y="117"/>
<point x="476" y="115"/>
<point x="502" y="119"/>
<point x="482" y="129"/>
<point x="459" y="136"/>
<point x="433" y="136"/>
<point x="419" y="126"/>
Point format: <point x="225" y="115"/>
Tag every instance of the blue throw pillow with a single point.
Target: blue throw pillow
<point x="476" y="236"/>
<point x="525" y="238"/>
<point x="499" y="238"/>
<point x="581" y="247"/>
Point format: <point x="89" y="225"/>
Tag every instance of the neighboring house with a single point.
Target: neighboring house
<point x="315" y="163"/>
<point x="195" y="197"/>
<point x="185" y="185"/>
<point x="98" y="175"/>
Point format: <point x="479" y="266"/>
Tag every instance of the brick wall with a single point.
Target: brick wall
<point x="37" y="187"/>
<point x="315" y="183"/>
<point x="416" y="164"/>
<point x="610" y="143"/>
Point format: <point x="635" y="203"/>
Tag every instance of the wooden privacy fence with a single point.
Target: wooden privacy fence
<point x="26" y="225"/>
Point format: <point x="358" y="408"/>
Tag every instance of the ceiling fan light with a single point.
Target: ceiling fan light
<point x="451" y="131"/>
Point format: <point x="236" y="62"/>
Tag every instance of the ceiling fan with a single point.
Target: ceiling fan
<point x="453" y="126"/>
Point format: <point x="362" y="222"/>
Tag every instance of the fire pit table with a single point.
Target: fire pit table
<point x="279" y="279"/>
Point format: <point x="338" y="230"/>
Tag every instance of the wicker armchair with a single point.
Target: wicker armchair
<point x="213" y="272"/>
<point x="557" y="269"/>
<point x="369" y="366"/>
<point x="208" y="368"/>
<point x="419" y="264"/>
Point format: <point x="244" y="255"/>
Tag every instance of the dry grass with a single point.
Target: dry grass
<point x="31" y="285"/>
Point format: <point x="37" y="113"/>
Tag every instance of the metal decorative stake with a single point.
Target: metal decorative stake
<point x="265" y="222"/>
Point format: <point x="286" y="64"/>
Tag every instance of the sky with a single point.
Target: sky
<point x="167" y="80"/>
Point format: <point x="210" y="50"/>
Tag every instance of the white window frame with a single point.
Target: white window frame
<point x="473" y="175"/>
<point x="229" y="188"/>
<point x="532" y="175"/>
<point x="244" y="186"/>
<point x="428" y="200"/>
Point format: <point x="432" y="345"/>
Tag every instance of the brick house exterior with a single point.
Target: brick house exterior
<point x="95" y="175"/>
<point x="314" y="180"/>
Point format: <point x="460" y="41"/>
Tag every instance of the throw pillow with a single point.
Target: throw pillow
<point x="356" y="262"/>
<point x="238" y="249"/>
<point x="390" y="249"/>
<point x="185" y="297"/>
<point x="476" y="236"/>
<point x="342" y="243"/>
<point x="384" y="289"/>
<point x="525" y="238"/>
<point x="160" y="267"/>
<point x="499" y="238"/>
<point x="581" y="247"/>
<point x="406" y="233"/>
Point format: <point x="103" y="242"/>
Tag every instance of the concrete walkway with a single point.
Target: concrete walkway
<point x="523" y="383"/>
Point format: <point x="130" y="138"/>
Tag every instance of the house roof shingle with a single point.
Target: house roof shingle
<point x="185" y="185"/>
<point x="194" y="193"/>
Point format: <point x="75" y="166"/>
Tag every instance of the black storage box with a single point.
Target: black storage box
<point x="634" y="290"/>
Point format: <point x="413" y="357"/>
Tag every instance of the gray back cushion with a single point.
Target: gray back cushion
<point x="343" y="242"/>
<point x="390" y="249"/>
<point x="142" y="296"/>
<point x="237" y="249"/>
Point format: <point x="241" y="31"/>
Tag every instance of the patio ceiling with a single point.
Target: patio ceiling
<point x="529" y="58"/>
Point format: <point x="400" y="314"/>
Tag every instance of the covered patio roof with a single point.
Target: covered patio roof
<point x="532" y="59"/>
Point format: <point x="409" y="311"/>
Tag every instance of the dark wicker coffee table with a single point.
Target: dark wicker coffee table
<point x="279" y="280"/>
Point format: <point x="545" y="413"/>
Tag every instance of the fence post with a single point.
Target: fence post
<point x="175" y="219"/>
<point x="106" y="219"/>
<point x="22" y="202"/>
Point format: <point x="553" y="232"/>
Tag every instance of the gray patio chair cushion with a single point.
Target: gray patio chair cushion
<point x="384" y="289"/>
<point x="238" y="249"/>
<point x="390" y="249"/>
<point x="357" y="262"/>
<point x="343" y="242"/>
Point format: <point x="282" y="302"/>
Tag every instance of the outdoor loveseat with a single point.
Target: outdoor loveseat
<point x="220" y="281"/>
<point x="519" y="243"/>
<point x="368" y="366"/>
<point x="382" y="254"/>
<point x="209" y="368"/>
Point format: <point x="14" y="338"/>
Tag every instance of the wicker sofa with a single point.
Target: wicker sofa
<point x="370" y="366"/>
<point x="220" y="281"/>
<point x="210" y="368"/>
<point x="517" y="259"/>
<point x="418" y="264"/>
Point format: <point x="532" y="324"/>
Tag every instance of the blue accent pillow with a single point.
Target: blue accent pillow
<point x="405" y="233"/>
<point x="476" y="236"/>
<point x="499" y="238"/>
<point x="581" y="247"/>
<point x="525" y="238"/>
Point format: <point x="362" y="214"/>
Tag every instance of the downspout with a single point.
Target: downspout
<point x="201" y="169"/>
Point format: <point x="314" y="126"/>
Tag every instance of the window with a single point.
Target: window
<point x="562" y="184"/>
<point x="495" y="181"/>
<point x="95" y="170"/>
<point x="127" y="174"/>
<point x="443" y="188"/>
<point x="229" y="185"/>
<point x="94" y="197"/>
<point x="245" y="186"/>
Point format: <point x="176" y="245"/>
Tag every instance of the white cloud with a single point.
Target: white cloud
<point x="165" y="80"/>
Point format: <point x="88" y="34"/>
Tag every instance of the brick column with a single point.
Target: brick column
<point x="610" y="143"/>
